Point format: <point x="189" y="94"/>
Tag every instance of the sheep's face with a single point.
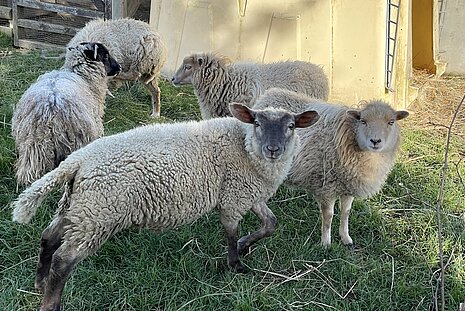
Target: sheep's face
<point x="200" y="69"/>
<point x="376" y="126"/>
<point x="273" y="129"/>
<point x="94" y="53"/>
<point x="184" y="73"/>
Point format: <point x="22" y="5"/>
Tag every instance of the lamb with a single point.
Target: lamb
<point x="160" y="177"/>
<point x="136" y="47"/>
<point x="348" y="153"/>
<point x="62" y="111"/>
<point x="217" y="83"/>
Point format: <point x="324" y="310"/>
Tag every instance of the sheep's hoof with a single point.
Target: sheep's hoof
<point x="325" y="244"/>
<point x="350" y="246"/>
<point x="55" y="308"/>
<point x="239" y="268"/>
<point x="241" y="248"/>
<point x="40" y="286"/>
<point x="155" y="115"/>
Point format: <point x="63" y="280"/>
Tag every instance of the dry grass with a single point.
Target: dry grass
<point x="437" y="101"/>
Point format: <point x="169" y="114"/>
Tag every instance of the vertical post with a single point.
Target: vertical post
<point x="118" y="8"/>
<point x="14" y="12"/>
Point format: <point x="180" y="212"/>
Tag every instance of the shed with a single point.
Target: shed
<point x="367" y="48"/>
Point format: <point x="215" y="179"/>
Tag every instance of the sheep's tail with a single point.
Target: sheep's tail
<point x="25" y="206"/>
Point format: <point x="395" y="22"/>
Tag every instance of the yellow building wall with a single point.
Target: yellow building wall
<point x="357" y="50"/>
<point x="347" y="38"/>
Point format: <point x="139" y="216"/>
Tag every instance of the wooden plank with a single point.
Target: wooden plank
<point x="14" y="22"/>
<point x="5" y="12"/>
<point x="57" y="8"/>
<point x="6" y="30"/>
<point x="117" y="8"/>
<point x="132" y="7"/>
<point x="31" y="24"/>
<point x="28" y="44"/>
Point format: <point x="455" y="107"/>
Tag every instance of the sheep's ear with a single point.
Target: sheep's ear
<point x="306" y="119"/>
<point x="91" y="50"/>
<point x="242" y="112"/>
<point x="402" y="114"/>
<point x="354" y="114"/>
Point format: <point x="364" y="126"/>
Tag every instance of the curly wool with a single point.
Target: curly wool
<point x="58" y="114"/>
<point x="347" y="154"/>
<point x="331" y="163"/>
<point x="133" y="43"/>
<point x="160" y="177"/>
<point x="136" y="47"/>
<point x="218" y="82"/>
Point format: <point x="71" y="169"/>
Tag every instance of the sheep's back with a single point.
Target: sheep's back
<point x="59" y="100"/>
<point x="298" y="76"/>
<point x="162" y="176"/>
<point x="134" y="45"/>
<point x="54" y="117"/>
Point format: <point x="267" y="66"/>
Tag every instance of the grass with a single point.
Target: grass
<point x="392" y="266"/>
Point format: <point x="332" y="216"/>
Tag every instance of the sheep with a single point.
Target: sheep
<point x="160" y="177"/>
<point x="216" y="82"/>
<point x="136" y="47"/>
<point x="62" y="111"/>
<point x="347" y="154"/>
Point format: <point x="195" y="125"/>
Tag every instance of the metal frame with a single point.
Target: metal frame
<point x="391" y="26"/>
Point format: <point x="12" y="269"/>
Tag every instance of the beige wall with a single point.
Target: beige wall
<point x="346" y="37"/>
<point x="358" y="47"/>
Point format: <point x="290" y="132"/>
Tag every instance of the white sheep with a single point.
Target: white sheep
<point x="348" y="153"/>
<point x="136" y="47"/>
<point x="160" y="177"/>
<point x="62" y="111"/>
<point x="217" y="83"/>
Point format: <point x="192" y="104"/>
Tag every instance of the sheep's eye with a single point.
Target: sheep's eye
<point x="291" y="126"/>
<point x="187" y="67"/>
<point x="391" y="122"/>
<point x="256" y="123"/>
<point x="363" y="122"/>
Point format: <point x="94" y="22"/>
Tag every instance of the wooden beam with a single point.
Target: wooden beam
<point x="28" y="44"/>
<point x="5" y="12"/>
<point x="6" y="30"/>
<point x="14" y="23"/>
<point x="58" y="8"/>
<point x="54" y="28"/>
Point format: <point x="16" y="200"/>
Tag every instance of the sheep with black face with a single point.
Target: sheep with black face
<point x="62" y="111"/>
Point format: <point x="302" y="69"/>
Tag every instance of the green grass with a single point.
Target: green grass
<point x="390" y="268"/>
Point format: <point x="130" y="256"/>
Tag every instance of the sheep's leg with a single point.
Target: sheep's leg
<point x="50" y="242"/>
<point x="230" y="226"/>
<point x="268" y="227"/>
<point x="327" y="213"/>
<point x="63" y="262"/>
<point x="154" y="90"/>
<point x="346" y="205"/>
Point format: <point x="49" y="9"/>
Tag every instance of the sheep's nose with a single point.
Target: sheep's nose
<point x="375" y="141"/>
<point x="172" y="79"/>
<point x="272" y="148"/>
